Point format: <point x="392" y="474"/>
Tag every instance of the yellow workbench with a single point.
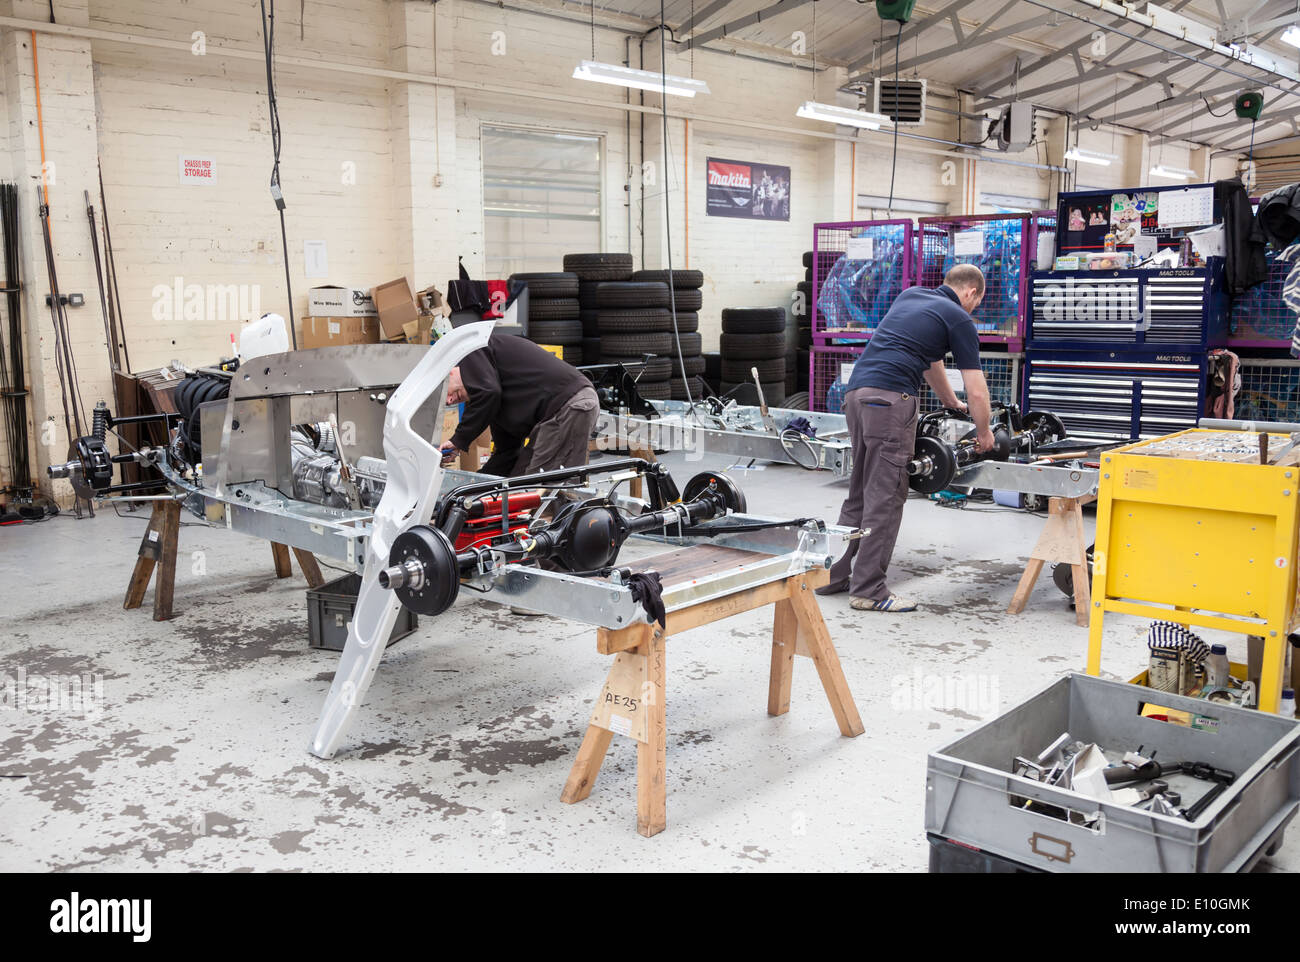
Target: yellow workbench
<point x="1193" y="528"/>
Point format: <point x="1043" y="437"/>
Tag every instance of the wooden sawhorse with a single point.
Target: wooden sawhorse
<point x="1062" y="542"/>
<point x="158" y="551"/>
<point x="633" y="700"/>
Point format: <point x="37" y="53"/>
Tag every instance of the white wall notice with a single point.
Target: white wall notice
<point x="316" y="261"/>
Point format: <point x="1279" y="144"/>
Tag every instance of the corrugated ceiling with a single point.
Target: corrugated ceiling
<point x="977" y="45"/>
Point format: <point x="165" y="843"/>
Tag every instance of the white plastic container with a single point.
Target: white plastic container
<point x="266" y="335"/>
<point x="1286" y="707"/>
<point x="1217" y="667"/>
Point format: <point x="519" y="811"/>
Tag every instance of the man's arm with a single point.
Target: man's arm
<point x="977" y="396"/>
<point x="936" y="375"/>
<point x="484" y="390"/>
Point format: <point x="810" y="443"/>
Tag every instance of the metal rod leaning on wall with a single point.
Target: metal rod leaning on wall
<point x="114" y="292"/>
<point x="14" y="386"/>
<point x="64" y="361"/>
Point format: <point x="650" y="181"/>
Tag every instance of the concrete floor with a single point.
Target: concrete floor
<point x="196" y="757"/>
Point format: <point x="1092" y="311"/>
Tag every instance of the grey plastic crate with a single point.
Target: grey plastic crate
<point x="969" y="784"/>
<point x="330" y="608"/>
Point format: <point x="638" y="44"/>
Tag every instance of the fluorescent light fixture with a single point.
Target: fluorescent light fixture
<point x="620" y="76"/>
<point x="1012" y="202"/>
<point x="901" y="204"/>
<point x="1079" y="155"/>
<point x="846" y="116"/>
<point x="1291" y="35"/>
<point x="1173" y="173"/>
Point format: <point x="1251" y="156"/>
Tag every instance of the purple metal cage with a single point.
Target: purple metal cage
<point x="853" y="287"/>
<point x="1006" y="248"/>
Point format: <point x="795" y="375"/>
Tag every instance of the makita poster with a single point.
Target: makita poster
<point x="755" y="191"/>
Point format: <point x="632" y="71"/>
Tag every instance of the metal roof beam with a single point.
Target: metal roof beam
<point x="775" y="10"/>
<point x="699" y="17"/>
<point x="912" y="30"/>
<point x="1085" y="76"/>
<point x="1073" y="47"/>
<point x="963" y="47"/>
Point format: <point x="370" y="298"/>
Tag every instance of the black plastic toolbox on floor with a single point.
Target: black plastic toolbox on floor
<point x="330" y="608"/>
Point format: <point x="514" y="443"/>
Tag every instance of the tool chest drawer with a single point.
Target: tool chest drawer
<point x="1128" y="310"/>
<point x="1113" y="396"/>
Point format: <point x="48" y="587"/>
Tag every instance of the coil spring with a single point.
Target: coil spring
<point x="99" y="424"/>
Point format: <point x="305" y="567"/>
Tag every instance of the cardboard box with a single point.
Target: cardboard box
<point x="396" y="307"/>
<point x="431" y="301"/>
<point x="338" y="331"/>
<point x="330" y="300"/>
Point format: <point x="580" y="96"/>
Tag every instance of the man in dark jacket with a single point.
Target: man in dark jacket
<point x="540" y="409"/>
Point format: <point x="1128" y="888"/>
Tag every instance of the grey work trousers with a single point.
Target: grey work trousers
<point x="882" y="428"/>
<point x="561" y="440"/>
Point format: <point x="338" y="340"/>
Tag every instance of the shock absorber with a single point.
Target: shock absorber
<point x="99" y="422"/>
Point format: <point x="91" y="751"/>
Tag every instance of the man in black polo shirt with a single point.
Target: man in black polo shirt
<point x="540" y="409"/>
<point x="880" y="406"/>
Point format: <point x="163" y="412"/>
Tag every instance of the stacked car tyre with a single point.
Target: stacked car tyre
<point x="593" y="270"/>
<point x="633" y="321"/>
<point x="685" y="350"/>
<point x="553" y="312"/>
<point x="755" y="339"/>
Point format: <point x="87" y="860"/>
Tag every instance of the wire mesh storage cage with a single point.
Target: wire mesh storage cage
<point x="859" y="267"/>
<point x="1006" y="247"/>
<point x="832" y="365"/>
<point x="1259" y="316"/>
<point x="1270" y="390"/>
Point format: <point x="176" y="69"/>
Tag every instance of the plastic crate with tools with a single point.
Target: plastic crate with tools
<point x="832" y="365"/>
<point x="857" y="270"/>
<point x="1006" y="247"/>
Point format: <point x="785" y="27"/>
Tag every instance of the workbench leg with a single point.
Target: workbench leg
<point x="144" y="564"/>
<point x="582" y="777"/>
<point x="164" y="587"/>
<point x="1082" y="596"/>
<point x="280" y="554"/>
<point x="652" y="754"/>
<point x="1061" y="542"/>
<point x="1027" y="581"/>
<point x="822" y="651"/>
<point x="645" y="454"/>
<point x="785" y="634"/>
<point x="310" y="569"/>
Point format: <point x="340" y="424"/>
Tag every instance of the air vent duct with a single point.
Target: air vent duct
<point x="907" y="109"/>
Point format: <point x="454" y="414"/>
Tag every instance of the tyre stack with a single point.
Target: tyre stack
<point x="553" y="312"/>
<point x="686" y="347"/>
<point x="755" y="337"/>
<point x="633" y="320"/>
<point x="592" y="270"/>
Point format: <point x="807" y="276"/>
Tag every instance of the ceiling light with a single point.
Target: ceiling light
<point x="1291" y="35"/>
<point x="620" y="76"/>
<point x="1173" y="173"/>
<point x="847" y="116"/>
<point x="1082" y="156"/>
